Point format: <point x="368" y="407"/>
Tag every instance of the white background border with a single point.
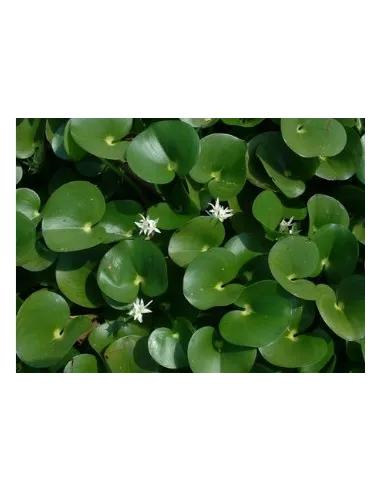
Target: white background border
<point x="288" y="432"/>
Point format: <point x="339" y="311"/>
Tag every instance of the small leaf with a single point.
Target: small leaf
<point x="324" y="209"/>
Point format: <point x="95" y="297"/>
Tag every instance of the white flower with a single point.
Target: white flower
<point x="288" y="226"/>
<point x="147" y="226"/>
<point x="221" y="213"/>
<point x="138" y="309"/>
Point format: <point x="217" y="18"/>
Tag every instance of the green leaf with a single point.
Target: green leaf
<point x="168" y="347"/>
<point x="82" y="363"/>
<point x="70" y="215"/>
<point x="324" y="209"/>
<point x="287" y="170"/>
<point x="221" y="164"/>
<point x="209" y="353"/>
<point x="319" y="365"/>
<point x="40" y="258"/>
<point x="206" y="277"/>
<point x="291" y="260"/>
<point x="361" y="167"/>
<point x="19" y="173"/>
<point x="359" y="231"/>
<point x="344" y="311"/>
<point x="25" y="238"/>
<point x="28" y="203"/>
<point x="132" y="265"/>
<point x="256" y="173"/>
<point x="130" y="354"/>
<point x="168" y="218"/>
<point x="292" y="350"/>
<point x="58" y="143"/>
<point x="52" y="125"/>
<point x="200" y="122"/>
<point x="118" y="220"/>
<point x="268" y="209"/>
<point x="244" y="122"/>
<point x="266" y="314"/>
<point x="198" y="236"/>
<point x="102" y="137"/>
<point x="72" y="149"/>
<point x="103" y="335"/>
<point x="339" y="251"/>
<point x="343" y="165"/>
<point x="76" y="276"/>
<point x="27" y="135"/>
<point x="44" y="331"/>
<point x="247" y="246"/>
<point x="164" y="149"/>
<point x="313" y="137"/>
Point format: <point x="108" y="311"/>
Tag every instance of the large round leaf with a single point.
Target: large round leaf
<point x="118" y="220"/>
<point x="324" y="209"/>
<point x="130" y="354"/>
<point x="247" y="246"/>
<point x="70" y="215"/>
<point x="291" y="260"/>
<point x="200" y="122"/>
<point x="82" y="363"/>
<point x="28" y="203"/>
<point x="287" y="170"/>
<point x="312" y="137"/>
<point x="44" y="331"/>
<point x="266" y="314"/>
<point x="27" y="133"/>
<point x="102" y="137"/>
<point x="221" y="164"/>
<point x="76" y="276"/>
<point x="344" y="311"/>
<point x="168" y="347"/>
<point x="162" y="150"/>
<point x="131" y="265"/>
<point x="338" y="249"/>
<point x="25" y="238"/>
<point x="343" y="165"/>
<point x="205" y="279"/>
<point x="103" y="335"/>
<point x="199" y="235"/>
<point x="292" y="350"/>
<point x="208" y="352"/>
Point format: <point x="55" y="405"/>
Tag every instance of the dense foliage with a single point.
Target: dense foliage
<point x="190" y="245"/>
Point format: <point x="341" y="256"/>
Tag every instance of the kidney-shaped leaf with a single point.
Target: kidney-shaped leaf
<point x="70" y="215"/>
<point x="82" y="363"/>
<point x="221" y="164"/>
<point x="199" y="235"/>
<point x="266" y="314"/>
<point x="209" y="353"/>
<point x="291" y="260"/>
<point x="344" y="311"/>
<point x="324" y="209"/>
<point x="162" y="150"/>
<point x="102" y="137"/>
<point x="205" y="278"/>
<point x="312" y="137"/>
<point x="168" y="347"/>
<point x="130" y="354"/>
<point x="338" y="249"/>
<point x="292" y="350"/>
<point x="44" y="331"/>
<point x="132" y="265"/>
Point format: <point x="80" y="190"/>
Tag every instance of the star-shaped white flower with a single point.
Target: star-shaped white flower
<point x="138" y="309"/>
<point x="147" y="226"/>
<point x="288" y="226"/>
<point x="221" y="213"/>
